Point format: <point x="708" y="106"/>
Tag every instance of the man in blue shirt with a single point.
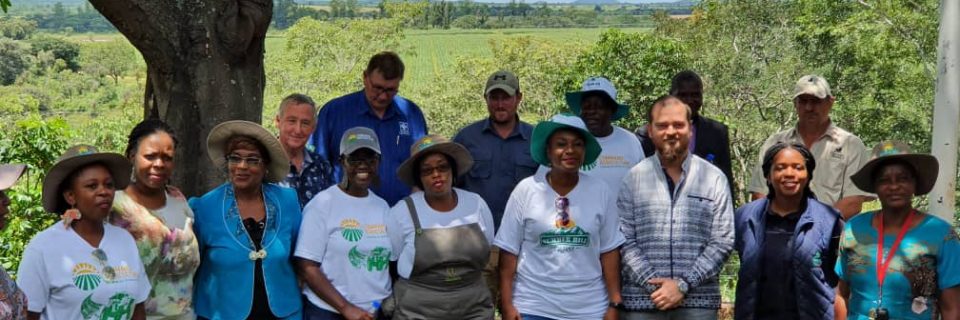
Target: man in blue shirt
<point x="378" y="107"/>
<point x="500" y="146"/>
<point x="310" y="173"/>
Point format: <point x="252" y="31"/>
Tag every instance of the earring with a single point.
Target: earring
<point x="70" y="216"/>
<point x="133" y="175"/>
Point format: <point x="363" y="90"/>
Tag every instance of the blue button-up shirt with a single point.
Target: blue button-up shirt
<point x="498" y="163"/>
<point x="317" y="174"/>
<point x="402" y="124"/>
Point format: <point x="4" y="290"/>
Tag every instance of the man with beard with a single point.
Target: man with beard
<point x="709" y="139"/>
<point x="676" y="214"/>
<point x="500" y="146"/>
<point x="309" y="173"/>
<point x="596" y="103"/>
<point x="839" y="153"/>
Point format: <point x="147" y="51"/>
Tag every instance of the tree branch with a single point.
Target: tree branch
<point x="240" y="23"/>
<point x="146" y="24"/>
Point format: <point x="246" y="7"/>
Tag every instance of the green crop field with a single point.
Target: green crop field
<point x="427" y="53"/>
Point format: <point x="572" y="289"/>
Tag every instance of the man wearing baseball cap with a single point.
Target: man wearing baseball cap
<point x="500" y="146"/>
<point x="839" y="153"/>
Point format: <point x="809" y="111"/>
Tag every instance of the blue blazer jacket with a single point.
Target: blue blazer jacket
<point x="224" y="281"/>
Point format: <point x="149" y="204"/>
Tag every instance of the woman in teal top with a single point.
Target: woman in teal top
<point x="247" y="230"/>
<point x="918" y="274"/>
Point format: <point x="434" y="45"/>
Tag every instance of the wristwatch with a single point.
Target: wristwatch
<point x="617" y="305"/>
<point x="683" y="286"/>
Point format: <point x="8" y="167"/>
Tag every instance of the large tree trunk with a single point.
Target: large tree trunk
<point x="204" y="66"/>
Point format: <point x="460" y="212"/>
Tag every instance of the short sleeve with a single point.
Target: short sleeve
<point x="395" y="229"/>
<point x="948" y="260"/>
<point x="610" y="236"/>
<point x="859" y="157"/>
<point x="486" y="219"/>
<point x="143" y="284"/>
<point x="510" y="235"/>
<point x="32" y="278"/>
<point x="312" y="241"/>
<point x="841" y="266"/>
<point x="757" y="183"/>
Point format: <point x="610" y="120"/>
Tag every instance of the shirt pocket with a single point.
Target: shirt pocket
<point x="833" y="178"/>
<point x="482" y="164"/>
<point x="523" y="166"/>
<point x="699" y="220"/>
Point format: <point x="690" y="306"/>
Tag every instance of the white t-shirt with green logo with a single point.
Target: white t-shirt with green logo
<point x="64" y="279"/>
<point x="558" y="267"/>
<point x="347" y="236"/>
<point x="470" y="209"/>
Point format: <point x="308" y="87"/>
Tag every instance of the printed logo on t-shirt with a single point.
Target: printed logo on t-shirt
<point x="373" y="260"/>
<point x="404" y="128"/>
<point x="351" y="230"/>
<point x="613" y="161"/>
<point x="86" y="277"/>
<point x="119" y="307"/>
<point x="566" y="236"/>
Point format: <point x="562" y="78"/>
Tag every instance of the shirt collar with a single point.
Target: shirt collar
<point x="365" y="107"/>
<point x="685" y="166"/>
<point x="488" y="127"/>
<point x="832" y="133"/>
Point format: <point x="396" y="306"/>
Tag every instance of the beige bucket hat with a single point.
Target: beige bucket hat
<point x="77" y="157"/>
<point x="219" y="135"/>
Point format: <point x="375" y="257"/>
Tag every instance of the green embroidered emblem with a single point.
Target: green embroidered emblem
<point x="817" y="260"/>
<point x="120" y="307"/>
<point x="565" y="238"/>
<point x="378" y="259"/>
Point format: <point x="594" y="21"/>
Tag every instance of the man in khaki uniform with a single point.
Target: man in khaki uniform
<point x="839" y="154"/>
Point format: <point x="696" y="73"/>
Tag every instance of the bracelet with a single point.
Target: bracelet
<point x="616" y="305"/>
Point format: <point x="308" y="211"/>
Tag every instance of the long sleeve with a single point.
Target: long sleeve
<point x="636" y="266"/>
<point x="715" y="253"/>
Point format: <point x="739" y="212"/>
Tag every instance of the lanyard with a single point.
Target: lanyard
<point x="883" y="264"/>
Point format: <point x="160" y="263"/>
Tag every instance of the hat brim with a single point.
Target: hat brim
<point x="574" y="100"/>
<point x="219" y="135"/>
<point x="926" y="167"/>
<point x="9" y="174"/>
<point x="119" y="167"/>
<point x="542" y="132"/>
<point x="452" y="149"/>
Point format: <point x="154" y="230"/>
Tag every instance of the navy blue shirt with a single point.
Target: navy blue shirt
<point x="776" y="299"/>
<point x="316" y="175"/>
<point x="402" y="124"/>
<point x="498" y="164"/>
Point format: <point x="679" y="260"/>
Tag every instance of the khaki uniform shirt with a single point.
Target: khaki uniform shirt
<point x="839" y="154"/>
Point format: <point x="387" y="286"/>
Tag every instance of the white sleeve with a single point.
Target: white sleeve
<point x="610" y="236"/>
<point x="312" y="240"/>
<point x="395" y="229"/>
<point x="510" y="235"/>
<point x="143" y="282"/>
<point x="32" y="278"/>
<point x="486" y="219"/>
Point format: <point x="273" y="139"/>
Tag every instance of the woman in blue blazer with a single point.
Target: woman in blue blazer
<point x="247" y="230"/>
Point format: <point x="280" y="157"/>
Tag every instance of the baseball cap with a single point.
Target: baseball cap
<point x="503" y="80"/>
<point x="359" y="137"/>
<point x="813" y="85"/>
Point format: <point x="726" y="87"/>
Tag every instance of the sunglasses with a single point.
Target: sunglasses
<point x="101" y="257"/>
<point x="250" y="161"/>
<point x="563" y="211"/>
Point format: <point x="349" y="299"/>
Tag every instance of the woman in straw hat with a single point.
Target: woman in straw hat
<point x="560" y="233"/>
<point x="13" y="303"/>
<point x="787" y="243"/>
<point x="84" y="268"/>
<point x="160" y="221"/>
<point x="247" y="229"/>
<point x="898" y="262"/>
<point x="440" y="237"/>
<point x="343" y="248"/>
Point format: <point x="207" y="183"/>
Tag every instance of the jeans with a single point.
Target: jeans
<point x="312" y="312"/>
<point x="675" y="314"/>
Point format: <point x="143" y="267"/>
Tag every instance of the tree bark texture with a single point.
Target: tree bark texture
<point x="204" y="66"/>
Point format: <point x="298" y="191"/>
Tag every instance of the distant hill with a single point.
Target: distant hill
<point x="600" y="2"/>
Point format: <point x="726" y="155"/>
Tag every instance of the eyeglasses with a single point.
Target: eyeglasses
<point x="101" y="257"/>
<point x="378" y="90"/>
<point x="427" y="171"/>
<point x="356" y="162"/>
<point x="563" y="211"/>
<point x="237" y="160"/>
